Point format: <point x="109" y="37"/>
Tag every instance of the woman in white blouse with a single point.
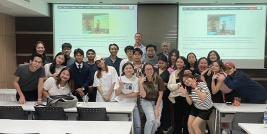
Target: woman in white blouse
<point x="60" y="85"/>
<point x="105" y="79"/>
<point x="53" y="69"/>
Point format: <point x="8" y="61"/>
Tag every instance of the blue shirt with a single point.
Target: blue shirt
<point x="115" y="64"/>
<point x="92" y="69"/>
<point x="249" y="90"/>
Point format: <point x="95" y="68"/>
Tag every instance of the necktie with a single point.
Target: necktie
<point x="79" y="66"/>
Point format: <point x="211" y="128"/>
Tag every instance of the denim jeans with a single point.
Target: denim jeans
<point x="136" y="120"/>
<point x="152" y="123"/>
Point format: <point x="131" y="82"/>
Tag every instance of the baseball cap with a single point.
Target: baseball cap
<point x="229" y="65"/>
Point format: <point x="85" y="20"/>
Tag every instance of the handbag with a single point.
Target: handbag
<point x="64" y="101"/>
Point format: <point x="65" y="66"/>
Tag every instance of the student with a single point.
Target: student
<point x="138" y="44"/>
<point x="166" y="111"/>
<point x="39" y="48"/>
<point x="113" y="60"/>
<point x="173" y="56"/>
<point x="66" y="50"/>
<point x="214" y="85"/>
<point x="81" y="75"/>
<point x="29" y="80"/>
<point x="127" y="90"/>
<point x="129" y="52"/>
<point x="210" y="78"/>
<point x="151" y="56"/>
<point x="200" y="97"/>
<point x="202" y="65"/>
<point x="180" y="106"/>
<point x="59" y="85"/>
<point x="53" y="69"/>
<point x="151" y="92"/>
<point x="165" y="49"/>
<point x="105" y="79"/>
<point x="192" y="62"/>
<point x="249" y="90"/>
<point x="137" y="61"/>
<point x="91" y="55"/>
<point x="213" y="56"/>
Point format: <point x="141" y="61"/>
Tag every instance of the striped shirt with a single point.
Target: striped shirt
<point x="207" y="103"/>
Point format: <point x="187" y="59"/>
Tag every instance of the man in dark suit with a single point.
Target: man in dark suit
<point x="80" y="74"/>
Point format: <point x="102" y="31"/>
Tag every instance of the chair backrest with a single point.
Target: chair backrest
<point x="246" y="117"/>
<point x="13" y="112"/>
<point x="49" y="113"/>
<point x="92" y="114"/>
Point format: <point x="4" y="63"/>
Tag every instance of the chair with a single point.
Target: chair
<point x="92" y="114"/>
<point x="13" y="112"/>
<point x="245" y="117"/>
<point x="49" y="113"/>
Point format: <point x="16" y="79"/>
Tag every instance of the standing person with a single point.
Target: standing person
<point x="105" y="79"/>
<point x="39" y="48"/>
<point x="151" y="56"/>
<point x="59" y="85"/>
<point x="138" y="44"/>
<point x="91" y="55"/>
<point x="192" y="62"/>
<point x="151" y="92"/>
<point x="81" y="75"/>
<point x="129" y="52"/>
<point x="66" y="50"/>
<point x="166" y="110"/>
<point x="29" y="80"/>
<point x="127" y="90"/>
<point x="53" y="69"/>
<point x="248" y="90"/>
<point x="213" y="56"/>
<point x="137" y="61"/>
<point x="200" y="98"/>
<point x="210" y="79"/>
<point x="165" y="49"/>
<point x="113" y="60"/>
<point x="214" y="84"/>
<point x="181" y="108"/>
<point x="173" y="56"/>
<point x="202" y="65"/>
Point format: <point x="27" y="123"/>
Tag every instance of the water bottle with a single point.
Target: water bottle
<point x="265" y="118"/>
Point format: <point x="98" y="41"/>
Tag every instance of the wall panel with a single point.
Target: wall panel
<point x="7" y="50"/>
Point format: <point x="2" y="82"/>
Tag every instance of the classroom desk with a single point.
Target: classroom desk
<point x="63" y="127"/>
<point x="251" y="128"/>
<point x="8" y="94"/>
<point x="111" y="107"/>
<point x="222" y="108"/>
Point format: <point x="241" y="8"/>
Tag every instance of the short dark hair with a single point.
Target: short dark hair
<point x="162" y="57"/>
<point x="37" y="55"/>
<point x="126" y="64"/>
<point x="128" y="48"/>
<point x="66" y="45"/>
<point x="151" y="45"/>
<point x="138" y="50"/>
<point x="90" y="50"/>
<point x="113" y="44"/>
<point x="78" y="50"/>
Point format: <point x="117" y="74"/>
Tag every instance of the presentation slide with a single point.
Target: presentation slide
<point x="94" y="26"/>
<point x="236" y="32"/>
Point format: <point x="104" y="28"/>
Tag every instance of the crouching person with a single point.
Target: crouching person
<point x="196" y="93"/>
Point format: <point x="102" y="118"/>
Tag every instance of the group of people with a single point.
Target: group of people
<point x="174" y="92"/>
